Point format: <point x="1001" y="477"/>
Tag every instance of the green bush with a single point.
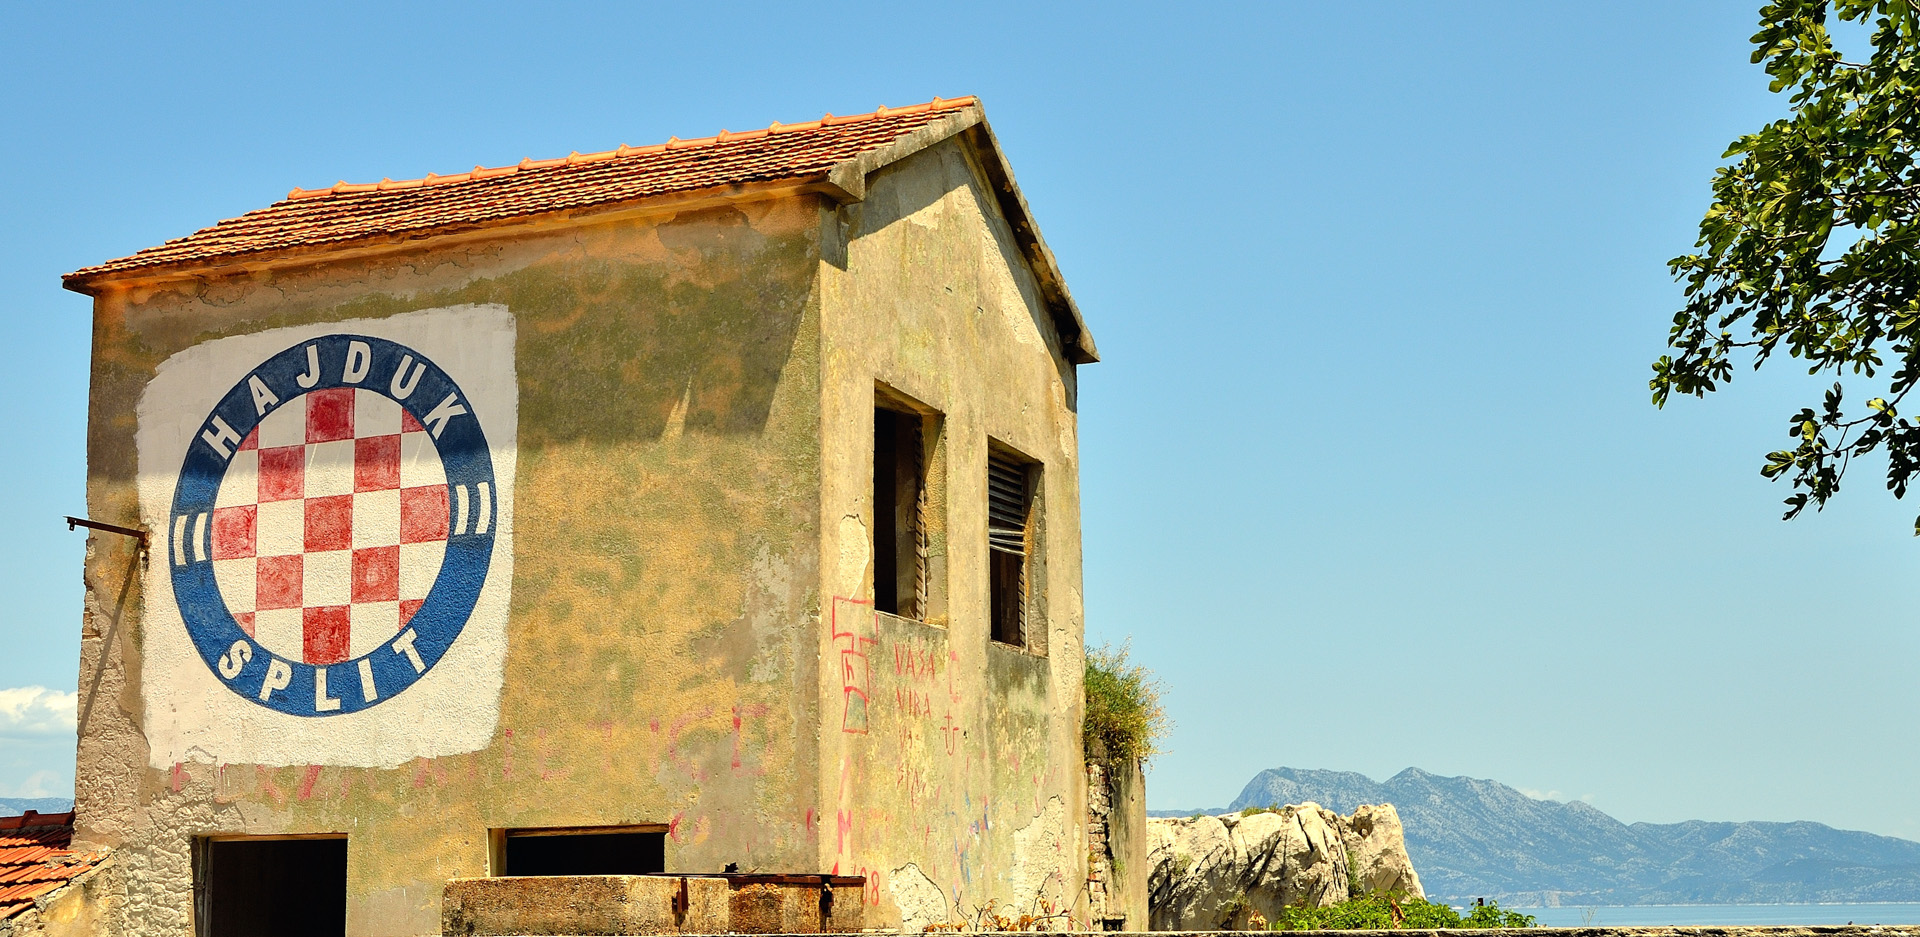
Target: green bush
<point x="1376" y="912"/>
<point x="1491" y="915"/>
<point x="1125" y="721"/>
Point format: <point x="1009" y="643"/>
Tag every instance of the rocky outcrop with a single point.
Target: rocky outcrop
<point x="1377" y="852"/>
<point x="1219" y="872"/>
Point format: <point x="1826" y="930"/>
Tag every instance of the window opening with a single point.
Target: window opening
<point x="247" y="887"/>
<point x="1009" y="541"/>
<point x="900" y="534"/>
<point x="606" y="850"/>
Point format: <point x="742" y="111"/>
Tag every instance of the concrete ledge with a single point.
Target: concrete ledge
<point x="582" y="905"/>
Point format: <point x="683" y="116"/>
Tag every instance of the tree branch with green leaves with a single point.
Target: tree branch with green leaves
<point x="1813" y="244"/>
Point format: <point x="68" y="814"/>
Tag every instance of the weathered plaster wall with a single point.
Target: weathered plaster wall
<point x="951" y="765"/>
<point x="1127" y="843"/>
<point x="662" y="644"/>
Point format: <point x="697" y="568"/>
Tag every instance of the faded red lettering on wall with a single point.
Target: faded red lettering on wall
<point x="306" y="783"/>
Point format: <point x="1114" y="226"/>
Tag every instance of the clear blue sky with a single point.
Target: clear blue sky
<point x="1370" y="473"/>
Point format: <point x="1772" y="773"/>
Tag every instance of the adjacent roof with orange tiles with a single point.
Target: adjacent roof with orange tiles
<point x="35" y="859"/>
<point x="347" y="211"/>
<point x="831" y="154"/>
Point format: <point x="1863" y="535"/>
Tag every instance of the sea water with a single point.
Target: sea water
<point x="1688" y="915"/>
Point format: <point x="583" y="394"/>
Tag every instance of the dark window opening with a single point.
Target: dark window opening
<point x="1009" y="541"/>
<point x="611" y="851"/>
<point x="899" y="510"/>
<point x="271" y="887"/>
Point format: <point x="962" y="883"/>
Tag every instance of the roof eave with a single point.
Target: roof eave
<point x="93" y="282"/>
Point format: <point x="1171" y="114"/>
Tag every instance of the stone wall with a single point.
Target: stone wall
<point x="1116" y="846"/>
<point x="1099" y="852"/>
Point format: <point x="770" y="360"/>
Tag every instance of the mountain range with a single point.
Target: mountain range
<point x="1472" y="838"/>
<point x="15" y="806"/>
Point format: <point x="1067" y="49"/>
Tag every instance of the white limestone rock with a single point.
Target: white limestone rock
<point x="1377" y="852"/>
<point x="1208" y="873"/>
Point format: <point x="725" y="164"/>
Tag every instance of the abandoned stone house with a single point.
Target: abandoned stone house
<point x="699" y="507"/>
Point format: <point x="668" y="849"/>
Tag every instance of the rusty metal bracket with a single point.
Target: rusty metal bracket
<point x="136" y="534"/>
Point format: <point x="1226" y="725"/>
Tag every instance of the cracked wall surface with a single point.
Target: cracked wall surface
<point x="966" y="758"/>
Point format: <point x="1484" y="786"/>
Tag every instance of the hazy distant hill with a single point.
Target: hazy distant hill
<point x="15" y="806"/>
<point x="1473" y="838"/>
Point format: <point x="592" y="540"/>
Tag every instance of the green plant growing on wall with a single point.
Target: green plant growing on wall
<point x="1125" y="720"/>
<point x="1393" y="912"/>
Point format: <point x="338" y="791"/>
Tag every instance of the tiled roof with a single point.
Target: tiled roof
<point x="346" y="212"/>
<point x="34" y="858"/>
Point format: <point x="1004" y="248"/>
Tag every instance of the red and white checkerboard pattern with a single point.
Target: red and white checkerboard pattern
<point x="331" y="525"/>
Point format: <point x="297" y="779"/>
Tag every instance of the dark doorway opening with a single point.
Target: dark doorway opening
<point x="272" y="887"/>
<point x="614" y="851"/>
<point x="899" y="508"/>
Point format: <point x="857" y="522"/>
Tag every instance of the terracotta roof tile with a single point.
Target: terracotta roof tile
<point x="347" y="212"/>
<point x="35" y="858"/>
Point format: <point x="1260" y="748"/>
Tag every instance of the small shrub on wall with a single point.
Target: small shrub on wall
<point x="1125" y="721"/>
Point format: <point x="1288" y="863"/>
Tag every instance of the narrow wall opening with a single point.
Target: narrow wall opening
<point x="249" y="886"/>
<point x="907" y="547"/>
<point x="606" y="850"/>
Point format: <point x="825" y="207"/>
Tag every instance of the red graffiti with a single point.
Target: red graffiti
<point x="856" y="675"/>
<point x="913" y="702"/>
<point x="915" y="663"/>
<point x="266" y="784"/>
<point x="306" y="783"/>
<point x="750" y="711"/>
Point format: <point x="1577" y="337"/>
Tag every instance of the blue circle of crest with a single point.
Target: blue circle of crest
<point x="414" y="382"/>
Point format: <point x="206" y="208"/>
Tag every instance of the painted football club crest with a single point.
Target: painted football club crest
<point x="332" y="525"/>
<point x="332" y="564"/>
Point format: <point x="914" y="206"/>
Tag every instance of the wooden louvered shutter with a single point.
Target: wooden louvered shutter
<point x="1007" y="503"/>
<point x="921" y="529"/>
